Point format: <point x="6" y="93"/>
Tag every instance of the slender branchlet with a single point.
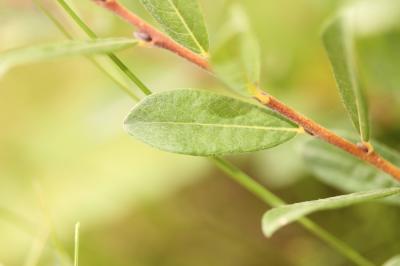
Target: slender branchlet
<point x="364" y="151"/>
<point x="147" y="33"/>
<point x="153" y="36"/>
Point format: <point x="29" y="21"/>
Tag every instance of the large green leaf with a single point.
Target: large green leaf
<point x="182" y="20"/>
<point x="278" y="217"/>
<point x="32" y="54"/>
<point x="236" y="61"/>
<point x="346" y="172"/>
<point x="203" y="123"/>
<point x="338" y="38"/>
<point x="395" y="261"/>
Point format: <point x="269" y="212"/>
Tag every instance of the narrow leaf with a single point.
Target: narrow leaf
<point x="236" y="61"/>
<point x="182" y="20"/>
<point x="338" y="38"/>
<point x="32" y="54"/>
<point x="346" y="172"/>
<point x="278" y="217"/>
<point x="203" y="123"/>
<point x="381" y="58"/>
<point x="395" y="261"/>
<point x="378" y="41"/>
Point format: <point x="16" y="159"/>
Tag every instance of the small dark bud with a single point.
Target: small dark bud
<point x="142" y="36"/>
<point x="365" y="147"/>
<point x="309" y="132"/>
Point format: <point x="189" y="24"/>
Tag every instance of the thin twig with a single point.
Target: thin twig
<point x="100" y="66"/>
<point x="112" y="56"/>
<point x="157" y="38"/>
<point x="315" y="129"/>
<point x="151" y="35"/>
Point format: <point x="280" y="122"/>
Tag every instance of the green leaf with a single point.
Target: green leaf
<point x="381" y="59"/>
<point x="236" y="61"/>
<point x="276" y="218"/>
<point x="203" y="123"/>
<point x="338" y="38"/>
<point x="376" y="26"/>
<point x="182" y="20"/>
<point x="379" y="41"/>
<point x="346" y="172"/>
<point x="32" y="54"/>
<point x="395" y="261"/>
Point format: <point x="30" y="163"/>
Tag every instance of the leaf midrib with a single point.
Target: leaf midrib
<point x="350" y="61"/>
<point x="202" y="50"/>
<point x="288" y="129"/>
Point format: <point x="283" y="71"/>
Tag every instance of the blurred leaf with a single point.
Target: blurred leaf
<point x="32" y="54"/>
<point x="276" y="218"/>
<point x="182" y="20"/>
<point x="381" y="57"/>
<point x="377" y="26"/>
<point x="236" y="61"/>
<point x="338" y="39"/>
<point x="395" y="261"/>
<point x="202" y="123"/>
<point x="346" y="172"/>
<point x="371" y="18"/>
<point x="274" y="170"/>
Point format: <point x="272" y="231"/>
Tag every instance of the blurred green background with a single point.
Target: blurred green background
<point x="64" y="156"/>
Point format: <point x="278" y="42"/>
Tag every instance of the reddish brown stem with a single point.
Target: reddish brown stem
<point x="152" y="35"/>
<point x="317" y="130"/>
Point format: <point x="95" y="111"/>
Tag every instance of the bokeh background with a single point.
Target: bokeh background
<point x="64" y="156"/>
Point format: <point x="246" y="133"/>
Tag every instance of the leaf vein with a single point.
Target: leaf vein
<point x="187" y="27"/>
<point x="222" y="125"/>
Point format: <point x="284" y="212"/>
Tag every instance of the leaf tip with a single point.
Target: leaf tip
<point x="266" y="230"/>
<point x="272" y="224"/>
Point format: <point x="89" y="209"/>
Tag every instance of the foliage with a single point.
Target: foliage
<point x="282" y="216"/>
<point x="236" y="59"/>
<point x="39" y="53"/>
<point x="341" y="170"/>
<point x="182" y="20"/>
<point x="339" y="38"/>
<point x="204" y="123"/>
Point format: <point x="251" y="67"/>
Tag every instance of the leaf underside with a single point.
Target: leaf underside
<point x="338" y="38"/>
<point x="236" y="61"/>
<point x="346" y="172"/>
<point x="38" y="53"/>
<point x="278" y="217"/>
<point x="182" y="20"/>
<point x="197" y="122"/>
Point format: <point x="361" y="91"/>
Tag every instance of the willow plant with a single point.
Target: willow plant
<point x="199" y="122"/>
